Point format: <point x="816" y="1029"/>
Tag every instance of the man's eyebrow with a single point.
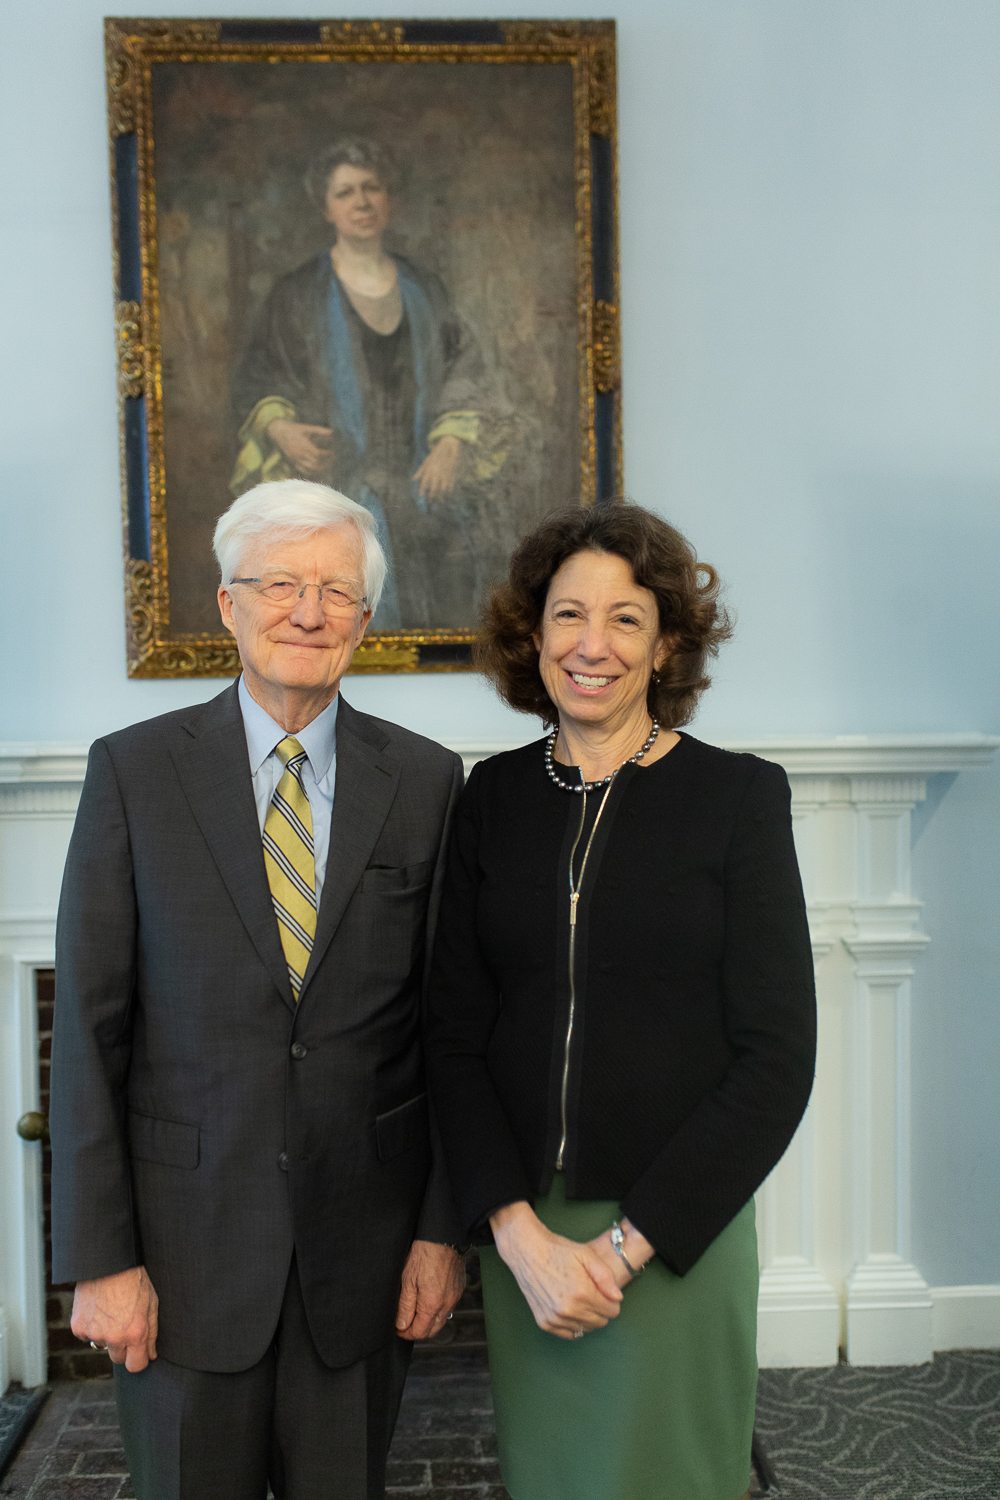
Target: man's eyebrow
<point x="333" y="578"/>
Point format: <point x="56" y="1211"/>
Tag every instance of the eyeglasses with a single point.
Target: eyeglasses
<point x="284" y="591"/>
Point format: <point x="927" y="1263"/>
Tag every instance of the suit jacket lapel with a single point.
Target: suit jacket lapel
<point x="366" y="786"/>
<point x="214" y="770"/>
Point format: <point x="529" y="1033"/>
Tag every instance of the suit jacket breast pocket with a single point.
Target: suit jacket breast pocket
<point x="387" y="922"/>
<point x="168" y="1143"/>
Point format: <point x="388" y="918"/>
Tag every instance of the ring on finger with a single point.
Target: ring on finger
<point x="579" y="1332"/>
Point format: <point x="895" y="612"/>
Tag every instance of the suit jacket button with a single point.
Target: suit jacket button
<point x="283" y="1161"/>
<point x="298" y="1050"/>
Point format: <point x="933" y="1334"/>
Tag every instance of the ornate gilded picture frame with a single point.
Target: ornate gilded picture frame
<point x="260" y="170"/>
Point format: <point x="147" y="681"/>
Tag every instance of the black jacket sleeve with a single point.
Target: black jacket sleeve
<point x="713" y="1164"/>
<point x="480" y="1149"/>
<point x="93" y="1227"/>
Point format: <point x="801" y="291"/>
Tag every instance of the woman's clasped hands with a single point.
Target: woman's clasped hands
<point x="571" y="1288"/>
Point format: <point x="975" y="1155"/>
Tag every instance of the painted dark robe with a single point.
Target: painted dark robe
<point x="387" y="399"/>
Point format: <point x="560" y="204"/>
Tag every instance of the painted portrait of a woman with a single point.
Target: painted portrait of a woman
<point x="360" y="373"/>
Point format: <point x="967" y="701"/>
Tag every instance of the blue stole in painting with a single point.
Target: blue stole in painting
<point x="427" y="366"/>
<point x="428" y="370"/>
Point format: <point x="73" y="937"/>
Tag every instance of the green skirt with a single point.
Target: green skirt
<point x="659" y="1405"/>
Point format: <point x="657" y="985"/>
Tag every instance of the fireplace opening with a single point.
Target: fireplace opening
<point x="69" y="1358"/>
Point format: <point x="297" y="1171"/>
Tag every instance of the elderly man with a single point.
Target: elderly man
<point x="245" y="1188"/>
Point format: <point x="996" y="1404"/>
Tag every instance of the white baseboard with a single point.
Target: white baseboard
<point x="802" y="1339"/>
<point x="888" y="1313"/>
<point x="797" y="1326"/>
<point x="798" y="1317"/>
<point x="965" y="1317"/>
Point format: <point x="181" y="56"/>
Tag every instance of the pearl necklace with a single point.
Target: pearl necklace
<point x="591" y="786"/>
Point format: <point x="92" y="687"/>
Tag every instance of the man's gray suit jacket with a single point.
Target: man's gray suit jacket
<point x="203" y="1124"/>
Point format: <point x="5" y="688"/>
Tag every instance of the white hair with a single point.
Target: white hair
<point x="297" y="508"/>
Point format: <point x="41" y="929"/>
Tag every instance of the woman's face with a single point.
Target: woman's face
<point x="599" y="641"/>
<point x="357" y="204"/>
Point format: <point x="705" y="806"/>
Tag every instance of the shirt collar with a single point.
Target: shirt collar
<point x="318" y="739"/>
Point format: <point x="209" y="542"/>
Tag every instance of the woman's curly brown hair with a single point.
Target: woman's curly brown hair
<point x="661" y="559"/>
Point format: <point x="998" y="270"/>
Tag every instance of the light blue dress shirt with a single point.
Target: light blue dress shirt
<point x="319" y="773"/>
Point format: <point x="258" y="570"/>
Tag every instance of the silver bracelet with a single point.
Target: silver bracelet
<point x="618" y="1241"/>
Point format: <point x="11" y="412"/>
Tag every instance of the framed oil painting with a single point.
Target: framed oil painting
<point x="379" y="254"/>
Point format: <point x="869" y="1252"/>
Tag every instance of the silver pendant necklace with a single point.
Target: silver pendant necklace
<point x="591" y="786"/>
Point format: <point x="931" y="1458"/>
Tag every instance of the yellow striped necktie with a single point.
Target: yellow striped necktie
<point x="290" y="862"/>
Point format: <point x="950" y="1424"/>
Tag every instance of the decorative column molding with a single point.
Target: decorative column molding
<point x="798" y="1310"/>
<point x="833" y="1217"/>
<point x="889" y="1307"/>
<point x="883" y="911"/>
<point x="852" y="832"/>
<point x="39" y="791"/>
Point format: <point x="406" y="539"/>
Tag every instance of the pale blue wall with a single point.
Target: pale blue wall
<point x="810" y="200"/>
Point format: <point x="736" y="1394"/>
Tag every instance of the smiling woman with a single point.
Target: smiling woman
<point x="599" y="646"/>
<point x="649" y="588"/>
<point x="622" y="1023"/>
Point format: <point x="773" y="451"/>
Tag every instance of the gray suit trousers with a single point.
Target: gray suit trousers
<point x="311" y="1432"/>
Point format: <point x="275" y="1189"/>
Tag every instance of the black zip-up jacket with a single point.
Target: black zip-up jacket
<point x="693" y="1040"/>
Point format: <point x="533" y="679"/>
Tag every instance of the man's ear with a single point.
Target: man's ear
<point x="225" y="599"/>
<point x="365" y="622"/>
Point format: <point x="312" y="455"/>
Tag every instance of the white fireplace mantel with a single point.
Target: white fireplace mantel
<point x="832" y="755"/>
<point x="834" y="1216"/>
<point x="48" y="762"/>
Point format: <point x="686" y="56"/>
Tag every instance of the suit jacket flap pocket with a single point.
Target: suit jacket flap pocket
<point x="401" y="1127"/>
<point x="396" y="880"/>
<point x="167" y="1142"/>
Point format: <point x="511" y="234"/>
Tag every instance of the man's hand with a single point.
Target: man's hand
<point x="305" y="446"/>
<point x="435" y="479"/>
<point x="120" y="1313"/>
<point x="433" y="1281"/>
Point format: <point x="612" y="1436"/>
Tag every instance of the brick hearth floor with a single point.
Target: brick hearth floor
<point x="444" y="1448"/>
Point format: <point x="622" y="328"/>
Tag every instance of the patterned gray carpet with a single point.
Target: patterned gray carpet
<point x="928" y="1432"/>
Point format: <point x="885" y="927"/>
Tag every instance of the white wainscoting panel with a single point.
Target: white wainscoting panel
<point x="834" y="1216"/>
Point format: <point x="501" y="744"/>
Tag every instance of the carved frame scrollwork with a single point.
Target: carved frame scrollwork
<point x="131" y="355"/>
<point x="607" y="349"/>
<point x="132" y="48"/>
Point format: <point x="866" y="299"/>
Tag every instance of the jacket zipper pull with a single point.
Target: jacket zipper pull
<point x="574" y="898"/>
